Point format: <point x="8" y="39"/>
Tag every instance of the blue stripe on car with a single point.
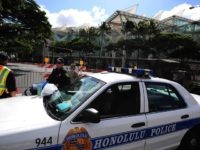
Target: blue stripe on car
<point x="133" y="136"/>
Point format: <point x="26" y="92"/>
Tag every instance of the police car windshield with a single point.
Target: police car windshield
<point x="62" y="103"/>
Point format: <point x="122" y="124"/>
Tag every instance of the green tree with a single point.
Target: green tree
<point x="175" y="45"/>
<point x="88" y="34"/>
<point x="138" y="35"/>
<point x="103" y="29"/>
<point x="87" y="40"/>
<point x="130" y="29"/>
<point x="23" y="26"/>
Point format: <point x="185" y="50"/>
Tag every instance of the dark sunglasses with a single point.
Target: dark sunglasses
<point x="59" y="63"/>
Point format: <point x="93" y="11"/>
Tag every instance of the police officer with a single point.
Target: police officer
<point x="59" y="76"/>
<point x="7" y="78"/>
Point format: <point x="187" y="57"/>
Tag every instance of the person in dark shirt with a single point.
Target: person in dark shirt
<point x="7" y="79"/>
<point x="59" y="76"/>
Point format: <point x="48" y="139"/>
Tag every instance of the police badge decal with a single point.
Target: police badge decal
<point x="77" y="139"/>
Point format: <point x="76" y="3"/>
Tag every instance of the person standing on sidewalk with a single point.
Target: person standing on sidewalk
<point x="7" y="79"/>
<point x="59" y="76"/>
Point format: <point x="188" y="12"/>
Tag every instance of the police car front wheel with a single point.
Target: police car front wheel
<point x="191" y="141"/>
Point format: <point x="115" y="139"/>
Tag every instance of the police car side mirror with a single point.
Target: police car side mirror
<point x="89" y="115"/>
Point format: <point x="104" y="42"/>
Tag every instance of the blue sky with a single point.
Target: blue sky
<point x="67" y="10"/>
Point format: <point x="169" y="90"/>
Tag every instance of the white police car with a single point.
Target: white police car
<point x="104" y="111"/>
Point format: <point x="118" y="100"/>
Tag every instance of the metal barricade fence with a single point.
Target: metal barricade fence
<point x="26" y="79"/>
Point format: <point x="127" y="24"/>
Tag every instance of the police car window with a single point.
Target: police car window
<point x="61" y="103"/>
<point x="118" y="100"/>
<point x="162" y="97"/>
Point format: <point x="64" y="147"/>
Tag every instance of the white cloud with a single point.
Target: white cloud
<point x="182" y="10"/>
<point x="75" y="18"/>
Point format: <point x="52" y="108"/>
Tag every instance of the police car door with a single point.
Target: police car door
<point x="122" y="123"/>
<point x="165" y="109"/>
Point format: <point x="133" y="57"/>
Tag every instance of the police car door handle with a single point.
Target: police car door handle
<point x="185" y="116"/>
<point x="136" y="125"/>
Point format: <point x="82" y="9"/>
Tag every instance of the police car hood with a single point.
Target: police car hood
<point x="23" y="112"/>
<point x="196" y="97"/>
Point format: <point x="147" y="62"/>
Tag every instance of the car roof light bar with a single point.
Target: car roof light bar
<point x="144" y="73"/>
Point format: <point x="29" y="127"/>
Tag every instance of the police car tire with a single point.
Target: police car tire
<point x="191" y="141"/>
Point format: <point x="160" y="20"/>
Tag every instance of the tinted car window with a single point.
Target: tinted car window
<point x="118" y="100"/>
<point x="163" y="97"/>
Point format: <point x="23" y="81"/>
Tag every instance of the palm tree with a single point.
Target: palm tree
<point x="130" y="28"/>
<point x="92" y="33"/>
<point x="140" y="33"/>
<point x="131" y="32"/>
<point x="103" y="29"/>
<point x="88" y="36"/>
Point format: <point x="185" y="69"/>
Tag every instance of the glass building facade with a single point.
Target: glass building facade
<point x="118" y="18"/>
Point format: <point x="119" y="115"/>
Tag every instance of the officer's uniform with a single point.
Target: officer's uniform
<point x="7" y="80"/>
<point x="59" y="76"/>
